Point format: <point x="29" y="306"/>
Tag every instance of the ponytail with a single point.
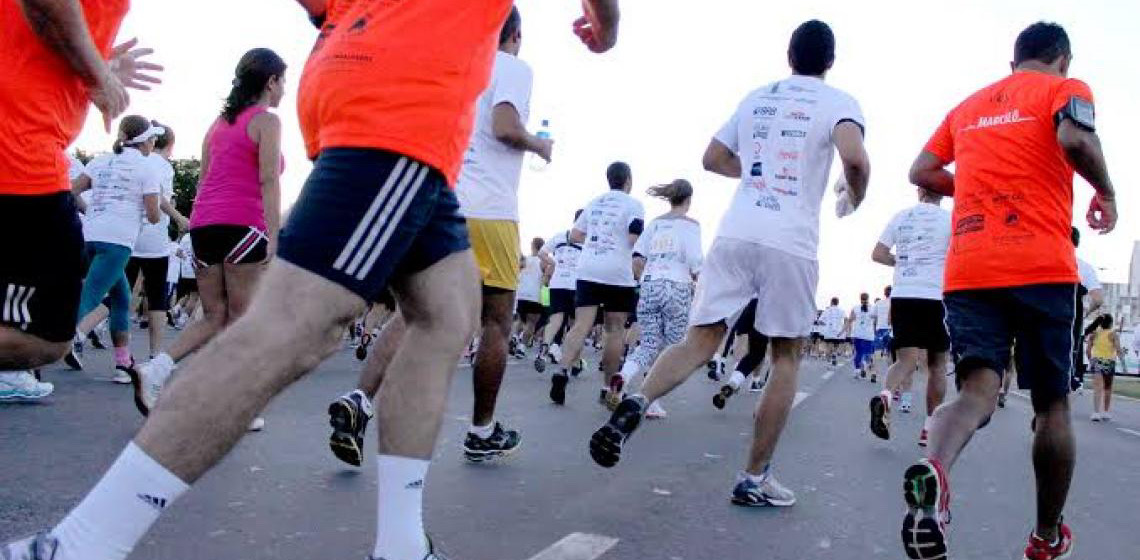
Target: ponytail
<point x="130" y="127"/>
<point x="676" y="193"/>
<point x="252" y="75"/>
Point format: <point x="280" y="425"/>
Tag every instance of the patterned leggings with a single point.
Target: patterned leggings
<point x="663" y="312"/>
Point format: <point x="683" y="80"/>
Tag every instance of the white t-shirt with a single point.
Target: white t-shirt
<point x="817" y="327"/>
<point x="173" y="263"/>
<point x="530" y="279"/>
<point x="863" y="324"/>
<point x="671" y="246"/>
<point x="154" y="240"/>
<point x="920" y="236"/>
<point x="782" y="134"/>
<point x="74" y="167"/>
<point x="565" y="255"/>
<point x="187" y="261"/>
<point x="488" y="186"/>
<point x="116" y="212"/>
<point x="1087" y="275"/>
<point x="882" y="310"/>
<point x="832" y="319"/>
<point x="607" y="254"/>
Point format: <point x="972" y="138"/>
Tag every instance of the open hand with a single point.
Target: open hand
<point x="133" y="72"/>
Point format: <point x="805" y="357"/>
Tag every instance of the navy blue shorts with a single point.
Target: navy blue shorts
<point x="562" y="301"/>
<point x="986" y="324"/>
<point x="612" y="299"/>
<point x="368" y="216"/>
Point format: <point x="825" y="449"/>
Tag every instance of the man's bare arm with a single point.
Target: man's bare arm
<point x="929" y="172"/>
<point x="848" y="140"/>
<point x="721" y="160"/>
<point x="882" y="255"/>
<point x="1082" y="149"/>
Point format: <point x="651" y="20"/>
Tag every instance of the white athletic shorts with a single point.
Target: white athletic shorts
<point x="736" y="271"/>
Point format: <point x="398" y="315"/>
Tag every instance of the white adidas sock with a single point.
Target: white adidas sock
<point x="118" y="512"/>
<point x="399" y="519"/>
<point x="736" y="380"/>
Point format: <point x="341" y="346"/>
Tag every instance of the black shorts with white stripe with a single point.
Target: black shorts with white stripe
<point x="229" y="244"/>
<point x="366" y="216"/>
<point x="42" y="264"/>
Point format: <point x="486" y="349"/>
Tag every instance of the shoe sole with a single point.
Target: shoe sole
<point x="605" y="446"/>
<point x="540" y="364"/>
<point x="137" y="388"/>
<point x="342" y="442"/>
<point x="473" y="456"/>
<point x="743" y="502"/>
<point x="22" y="397"/>
<point x="558" y="389"/>
<point x="923" y="537"/>
<point x="721" y="398"/>
<point x="878" y="418"/>
<point x="361" y="353"/>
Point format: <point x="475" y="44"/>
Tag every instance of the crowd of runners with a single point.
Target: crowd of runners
<point x="406" y="236"/>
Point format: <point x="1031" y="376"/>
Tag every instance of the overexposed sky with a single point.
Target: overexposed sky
<point x="676" y="75"/>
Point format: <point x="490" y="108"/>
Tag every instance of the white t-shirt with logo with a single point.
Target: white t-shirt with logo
<point x="187" y="264"/>
<point x="671" y="246"/>
<point x="782" y="134"/>
<point x="863" y="323"/>
<point x="154" y="240"/>
<point x="173" y="263"/>
<point x="119" y="182"/>
<point x="530" y="279"/>
<point x="882" y="310"/>
<point x="488" y="186"/>
<point x="832" y="320"/>
<point x="607" y="254"/>
<point x="565" y="255"/>
<point x="1087" y="275"/>
<point x="920" y="236"/>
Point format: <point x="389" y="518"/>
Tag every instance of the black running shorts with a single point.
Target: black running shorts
<point x="366" y="216"/>
<point x="42" y="264"/>
<point x="525" y="308"/>
<point x="154" y="280"/>
<point x="561" y="301"/>
<point x="228" y="244"/>
<point x="919" y="323"/>
<point x="612" y="299"/>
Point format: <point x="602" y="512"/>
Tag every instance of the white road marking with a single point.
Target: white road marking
<point x="1127" y="431"/>
<point x="827" y="374"/>
<point x="800" y="396"/>
<point x="577" y="546"/>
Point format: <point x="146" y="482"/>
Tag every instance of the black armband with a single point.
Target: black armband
<point x="1080" y="111"/>
<point x="637" y="226"/>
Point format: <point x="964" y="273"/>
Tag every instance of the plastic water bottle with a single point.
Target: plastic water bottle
<point x="536" y="161"/>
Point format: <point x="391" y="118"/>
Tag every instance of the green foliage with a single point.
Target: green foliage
<point x="83" y="156"/>
<point x="186" y="175"/>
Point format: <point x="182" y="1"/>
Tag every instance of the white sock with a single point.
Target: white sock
<point x="736" y="379"/>
<point x="164" y="360"/>
<point x="118" y="512"/>
<point x="482" y="432"/>
<point x="629" y="370"/>
<point x="399" y="518"/>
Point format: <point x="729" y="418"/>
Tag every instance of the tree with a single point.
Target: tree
<point x="186" y="175"/>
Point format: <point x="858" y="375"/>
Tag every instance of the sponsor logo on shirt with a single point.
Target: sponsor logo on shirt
<point x="760" y="131"/>
<point x="970" y="224"/>
<point x="768" y="201"/>
<point x="797" y="116"/>
<point x="1012" y="117"/>
<point x="789" y="155"/>
<point x="758" y="169"/>
<point x="765" y="112"/>
<point x="793" y="133"/>
<point x="786" y="174"/>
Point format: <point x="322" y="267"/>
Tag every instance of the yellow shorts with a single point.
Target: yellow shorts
<point x="496" y="246"/>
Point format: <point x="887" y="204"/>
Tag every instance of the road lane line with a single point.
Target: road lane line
<point x="800" y="396"/>
<point x="1127" y="431"/>
<point x="827" y="374"/>
<point x="577" y="546"/>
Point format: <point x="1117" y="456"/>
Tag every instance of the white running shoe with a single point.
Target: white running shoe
<point x="556" y="353"/>
<point x="257" y="425"/>
<point x="121" y="377"/>
<point x="23" y="386"/>
<point x="152" y="377"/>
<point x="656" y="411"/>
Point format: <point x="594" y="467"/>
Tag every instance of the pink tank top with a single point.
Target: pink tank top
<point x="230" y="193"/>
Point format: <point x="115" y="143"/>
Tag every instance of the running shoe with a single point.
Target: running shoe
<point x="257" y="425"/>
<point x="881" y="416"/>
<point x="766" y="493"/>
<point x="96" y="342"/>
<point x="924" y="438"/>
<point x="606" y="443"/>
<point x="713" y="370"/>
<point x="655" y="411"/>
<point x="22" y="386"/>
<point x="927" y="494"/>
<point x="578" y="367"/>
<point x="1040" y="549"/>
<point x="540" y="361"/>
<point x="123" y="373"/>
<point x="555" y="353"/>
<point x="756" y="386"/>
<point x="41" y="546"/>
<point x="874" y="378"/>
<point x="432" y="554"/>
<point x="862" y="373"/>
<point x="614" y="395"/>
<point x="349" y="416"/>
<point x="501" y="443"/>
<point x="1001" y="400"/>
<point x="558" y="383"/>
<point x="72" y="358"/>
<point x="362" y="348"/>
<point x="148" y="380"/>
<point x="904" y="407"/>
<point x="722" y="396"/>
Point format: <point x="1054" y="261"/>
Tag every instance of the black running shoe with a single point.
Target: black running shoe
<point x="72" y="360"/>
<point x="721" y="397"/>
<point x="501" y="443"/>
<point x="558" y="383"/>
<point x="927" y="496"/>
<point x="580" y="365"/>
<point x="1001" y="400"/>
<point x="606" y="443"/>
<point x="348" y="421"/>
<point x="362" y="348"/>
<point x="880" y="417"/>
<point x="96" y="342"/>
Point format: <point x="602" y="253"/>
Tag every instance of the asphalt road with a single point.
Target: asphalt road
<point x="281" y="495"/>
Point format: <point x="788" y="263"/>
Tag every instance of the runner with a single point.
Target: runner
<point x="126" y="189"/>
<point x="833" y="320"/>
<point x="670" y="259"/>
<point x="920" y="236"/>
<point x="608" y="229"/>
<point x="562" y="254"/>
<point x="186" y="294"/>
<point x="1104" y="349"/>
<point x="883" y="343"/>
<point x="781" y="138"/>
<point x="746" y="367"/>
<point x="423" y="111"/>
<point x="1015" y="145"/>
<point x="1088" y="287"/>
<point x="52" y="71"/>
<point x="237" y="212"/>
<point x="530" y="309"/>
<point x="860" y="327"/>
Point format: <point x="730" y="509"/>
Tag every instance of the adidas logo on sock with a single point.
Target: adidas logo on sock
<point x="415" y="485"/>
<point x="158" y="503"/>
